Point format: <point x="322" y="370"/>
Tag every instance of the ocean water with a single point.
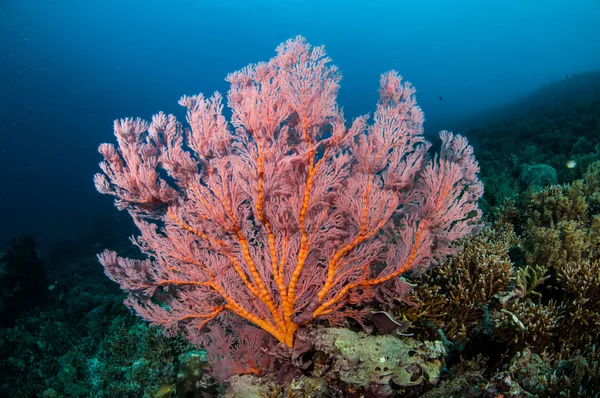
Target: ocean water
<point x="519" y="79"/>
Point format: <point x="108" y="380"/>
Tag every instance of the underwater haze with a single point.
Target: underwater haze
<point x="69" y="68"/>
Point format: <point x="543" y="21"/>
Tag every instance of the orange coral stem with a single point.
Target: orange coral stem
<point x="323" y="309"/>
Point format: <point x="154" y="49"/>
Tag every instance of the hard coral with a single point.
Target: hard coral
<point x="561" y="232"/>
<point x="454" y="296"/>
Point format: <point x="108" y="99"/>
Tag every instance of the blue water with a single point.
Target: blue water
<point x="68" y="68"/>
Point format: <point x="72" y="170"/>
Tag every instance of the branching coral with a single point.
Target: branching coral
<point x="561" y="232"/>
<point x="523" y="323"/>
<point x="581" y="283"/>
<point x="546" y="304"/>
<point x="561" y="223"/>
<point x="454" y="296"/>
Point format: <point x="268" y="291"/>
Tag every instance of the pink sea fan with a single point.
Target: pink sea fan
<point x="284" y="214"/>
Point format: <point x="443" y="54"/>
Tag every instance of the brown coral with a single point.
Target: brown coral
<point x="453" y="297"/>
<point x="561" y="232"/>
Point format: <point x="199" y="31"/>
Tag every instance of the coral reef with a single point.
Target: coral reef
<point x="354" y="364"/>
<point x="515" y="312"/>
<point x="560" y="135"/>
<point x="538" y="175"/>
<point x="527" y="289"/>
<point x="561" y="234"/>
<point x="454" y="297"/>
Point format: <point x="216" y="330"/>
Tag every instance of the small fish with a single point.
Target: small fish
<point x="387" y="324"/>
<point x="164" y="390"/>
<point x="441" y="99"/>
<point x="571" y="164"/>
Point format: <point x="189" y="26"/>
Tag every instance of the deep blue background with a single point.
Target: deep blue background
<point x="68" y="68"/>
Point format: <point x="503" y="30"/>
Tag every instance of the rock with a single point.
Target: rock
<point x="363" y="360"/>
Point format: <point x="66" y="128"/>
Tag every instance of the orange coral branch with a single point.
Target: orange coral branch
<point x="259" y="211"/>
<point x="323" y="309"/>
<point x="361" y="237"/>
<point x="219" y="243"/>
<point x="288" y="306"/>
<point x="257" y="293"/>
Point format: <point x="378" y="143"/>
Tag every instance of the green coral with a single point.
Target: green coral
<point x="363" y="360"/>
<point x="538" y="176"/>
